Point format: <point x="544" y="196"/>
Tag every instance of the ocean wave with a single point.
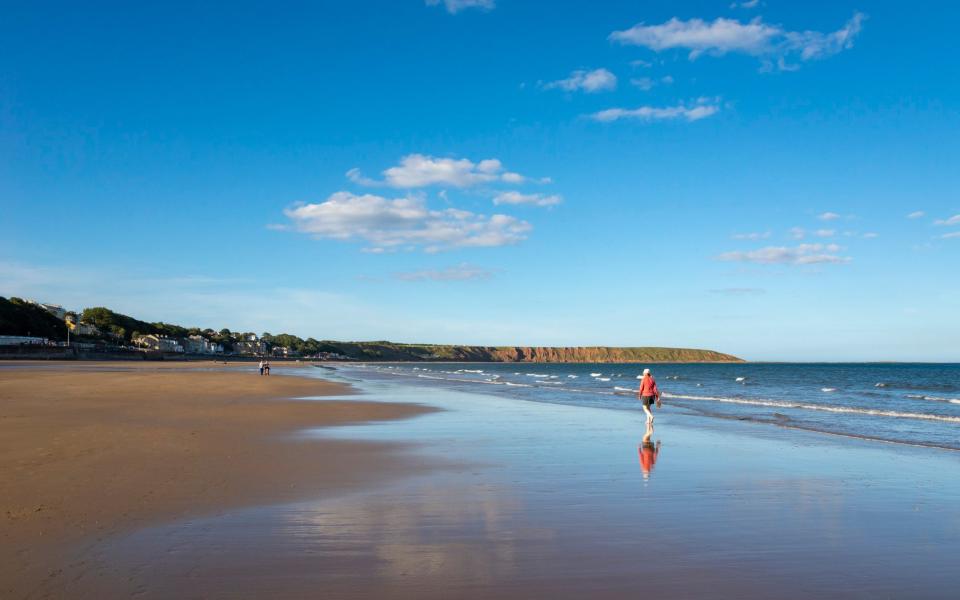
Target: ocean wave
<point x="623" y="389"/>
<point x="741" y="379"/>
<point x="933" y="398"/>
<point x="572" y="376"/>
<point x="819" y="407"/>
<point x="828" y="390"/>
<point x="603" y="379"/>
<point x="595" y="374"/>
<point x="538" y="375"/>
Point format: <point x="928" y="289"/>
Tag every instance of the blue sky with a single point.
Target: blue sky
<point x="763" y="178"/>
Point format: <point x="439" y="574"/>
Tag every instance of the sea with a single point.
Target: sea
<point x="911" y="403"/>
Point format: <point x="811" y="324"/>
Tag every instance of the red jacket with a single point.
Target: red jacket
<point x="648" y="387"/>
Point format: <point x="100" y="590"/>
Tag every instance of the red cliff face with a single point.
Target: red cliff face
<point x="589" y="354"/>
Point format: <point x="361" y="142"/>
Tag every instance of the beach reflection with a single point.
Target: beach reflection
<point x="649" y="452"/>
<point x="468" y="534"/>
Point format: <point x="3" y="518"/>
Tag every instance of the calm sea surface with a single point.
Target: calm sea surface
<point x="903" y="403"/>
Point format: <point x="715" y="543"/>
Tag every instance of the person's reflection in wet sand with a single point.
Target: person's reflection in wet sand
<point x="648" y="452"/>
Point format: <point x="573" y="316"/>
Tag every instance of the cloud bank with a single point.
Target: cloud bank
<point x="598" y="80"/>
<point x="755" y="38"/>
<point x="455" y="6"/>
<point x="513" y="197"/>
<point x="461" y="272"/>
<point x="803" y="254"/>
<point x="701" y="110"/>
<point x="388" y="224"/>
<point x="420" y="170"/>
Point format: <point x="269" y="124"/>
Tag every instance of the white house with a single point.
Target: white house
<point x="158" y="342"/>
<point x="250" y="347"/>
<point x="54" y="309"/>
<point x="197" y="344"/>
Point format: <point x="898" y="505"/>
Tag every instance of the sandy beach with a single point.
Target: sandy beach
<point x="91" y="449"/>
<point x="197" y="492"/>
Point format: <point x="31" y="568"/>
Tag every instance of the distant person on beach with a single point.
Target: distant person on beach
<point x="262" y="363"/>
<point x="648" y="452"/>
<point x="266" y="367"/>
<point x="648" y="393"/>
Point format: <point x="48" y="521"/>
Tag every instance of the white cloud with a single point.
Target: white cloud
<point x="954" y="220"/>
<point x="391" y="223"/>
<point x="639" y="63"/>
<point x="746" y="4"/>
<point x="917" y="214"/>
<point x="700" y="110"/>
<point x="648" y="83"/>
<point x="798" y="233"/>
<point x="598" y="80"/>
<point x="954" y="234"/>
<point x="828" y="216"/>
<point x="803" y="254"/>
<point x="751" y="236"/>
<point x="755" y="38"/>
<point x="513" y="197"/>
<point x="461" y="272"/>
<point x="825" y="233"/>
<point x="455" y="6"/>
<point x="420" y="170"/>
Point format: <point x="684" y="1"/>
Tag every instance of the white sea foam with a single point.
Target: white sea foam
<point x="828" y="390"/>
<point x="511" y="384"/>
<point x="572" y="376"/>
<point x="819" y="407"/>
<point x="595" y="374"/>
<point x="603" y="379"/>
<point x="934" y="398"/>
<point x="538" y="375"/>
<point x="741" y="378"/>
<point x="622" y="389"/>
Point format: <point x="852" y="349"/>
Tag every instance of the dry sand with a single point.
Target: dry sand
<point x="89" y="450"/>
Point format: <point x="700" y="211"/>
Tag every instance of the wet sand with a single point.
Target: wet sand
<point x="553" y="501"/>
<point x="541" y="500"/>
<point x="90" y="450"/>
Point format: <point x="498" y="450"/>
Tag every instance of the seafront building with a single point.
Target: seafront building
<point x="197" y="344"/>
<point x="17" y="340"/>
<point x="255" y="346"/>
<point x="54" y="309"/>
<point x="159" y="342"/>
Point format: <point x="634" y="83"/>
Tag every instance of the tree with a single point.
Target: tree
<point x="18" y="317"/>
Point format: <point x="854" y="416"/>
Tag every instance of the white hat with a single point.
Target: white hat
<point x="646" y="371"/>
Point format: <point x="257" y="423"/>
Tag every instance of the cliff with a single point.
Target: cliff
<point x="388" y="351"/>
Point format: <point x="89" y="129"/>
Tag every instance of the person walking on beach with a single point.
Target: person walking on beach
<point x="261" y="367"/>
<point x="266" y="367"/>
<point x="648" y="393"/>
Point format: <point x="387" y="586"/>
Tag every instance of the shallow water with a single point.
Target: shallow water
<point x="903" y="403"/>
<point x="547" y="499"/>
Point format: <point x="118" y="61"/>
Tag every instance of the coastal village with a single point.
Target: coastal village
<point x="99" y="330"/>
